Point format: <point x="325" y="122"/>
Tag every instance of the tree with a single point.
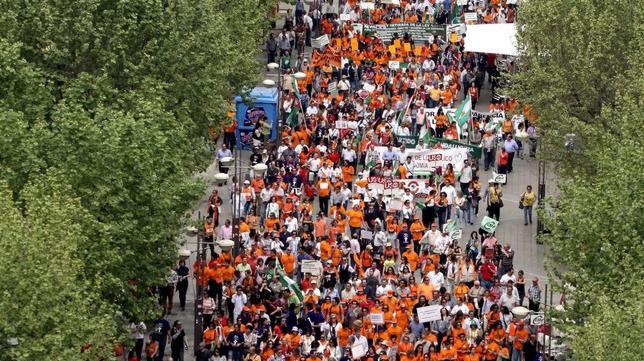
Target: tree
<point x="588" y="83"/>
<point x="44" y="291"/>
<point x="115" y="96"/>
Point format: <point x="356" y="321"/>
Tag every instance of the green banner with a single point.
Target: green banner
<point x="410" y="141"/>
<point x="476" y="151"/>
<point x="489" y="224"/>
<point x="420" y="33"/>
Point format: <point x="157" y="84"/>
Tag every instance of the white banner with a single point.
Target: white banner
<point x="345" y="17"/>
<point x="311" y="266"/>
<point x="343" y="124"/>
<point x="427" y="160"/>
<point x="367" y="5"/>
<point x="390" y="186"/>
<point x="429" y="313"/>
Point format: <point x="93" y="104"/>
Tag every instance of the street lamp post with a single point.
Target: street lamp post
<point x="278" y="114"/>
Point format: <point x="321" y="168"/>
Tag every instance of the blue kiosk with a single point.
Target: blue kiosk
<point x="262" y="102"/>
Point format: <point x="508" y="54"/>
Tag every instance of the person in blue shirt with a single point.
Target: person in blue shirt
<point x="236" y="342"/>
<point x="404" y="237"/>
<point x="511" y="147"/>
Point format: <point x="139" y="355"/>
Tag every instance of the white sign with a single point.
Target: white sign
<point x="461" y="2"/>
<point x="499" y="178"/>
<point x="473" y="17"/>
<point x="345" y="17"/>
<point x="311" y="266"/>
<point x="333" y="89"/>
<point x="318" y="43"/>
<point x="395" y="2"/>
<point x="427" y="160"/>
<point x="357" y="351"/>
<point x="457" y="234"/>
<point x="365" y="234"/>
<point x="394" y="64"/>
<point x="377" y="318"/>
<point x="369" y="87"/>
<point x="395" y="205"/>
<point x="357" y="27"/>
<point x="342" y="124"/>
<point x="537" y="319"/>
<point x="429" y="313"/>
<point x="389" y="186"/>
<point x="367" y="6"/>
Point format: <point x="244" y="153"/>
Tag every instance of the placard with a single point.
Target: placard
<point x="358" y="351"/>
<point x="369" y="87"/>
<point x="537" y="319"/>
<point x="320" y="42"/>
<point x="499" y="178"/>
<point x="333" y="89"/>
<point x="343" y="124"/>
<point x="345" y="17"/>
<point x="407" y="47"/>
<point x="367" y="5"/>
<point x="461" y="2"/>
<point x="395" y="204"/>
<point x="394" y="64"/>
<point x="366" y="234"/>
<point x="489" y="224"/>
<point x="377" y="318"/>
<point x="471" y="17"/>
<point x="429" y="313"/>
<point x="311" y="266"/>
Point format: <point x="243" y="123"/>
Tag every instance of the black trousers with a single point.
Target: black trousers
<point x="229" y="140"/>
<point x="533" y="306"/>
<point x="324" y="205"/>
<point x="510" y="159"/>
<point x="182" y="287"/>
<point x="494" y="211"/>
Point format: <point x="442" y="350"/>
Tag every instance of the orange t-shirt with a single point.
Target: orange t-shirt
<point x="355" y="218"/>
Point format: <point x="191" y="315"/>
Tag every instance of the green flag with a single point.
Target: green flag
<point x="296" y="90"/>
<point x="462" y="114"/>
<point x="292" y="118"/>
<point x="420" y="205"/>
<point x="450" y="226"/>
<point x="489" y="224"/>
<point x="290" y="284"/>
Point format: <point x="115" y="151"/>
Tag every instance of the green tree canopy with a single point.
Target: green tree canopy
<point x="114" y="96"/>
<point x="581" y="71"/>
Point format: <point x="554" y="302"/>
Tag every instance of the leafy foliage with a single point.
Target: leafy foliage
<point x="112" y="97"/>
<point x="44" y="292"/>
<point x="588" y="82"/>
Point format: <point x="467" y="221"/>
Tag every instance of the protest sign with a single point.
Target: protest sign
<point x="537" y="319"/>
<point x="388" y="186"/>
<point x="311" y="266"/>
<point x="489" y="224"/>
<point x="343" y="124"/>
<point x="367" y="5"/>
<point x="395" y="204"/>
<point x="320" y="42"/>
<point x="475" y="151"/>
<point x="345" y="17"/>
<point x="419" y="32"/>
<point x="452" y="229"/>
<point x="366" y="234"/>
<point x="429" y="313"/>
<point x="358" y="351"/>
<point x="394" y="64"/>
<point x="333" y="89"/>
<point x="410" y="141"/>
<point x="461" y="2"/>
<point x="369" y="87"/>
<point x="427" y="160"/>
<point x="377" y="318"/>
<point x="499" y="178"/>
<point x="470" y="18"/>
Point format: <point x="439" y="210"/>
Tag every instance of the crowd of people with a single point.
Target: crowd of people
<point x="320" y="250"/>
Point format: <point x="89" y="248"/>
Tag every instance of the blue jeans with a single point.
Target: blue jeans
<point x="527" y="214"/>
<point x="516" y="355"/>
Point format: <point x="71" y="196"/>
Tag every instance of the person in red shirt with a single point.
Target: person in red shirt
<point x="503" y="162"/>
